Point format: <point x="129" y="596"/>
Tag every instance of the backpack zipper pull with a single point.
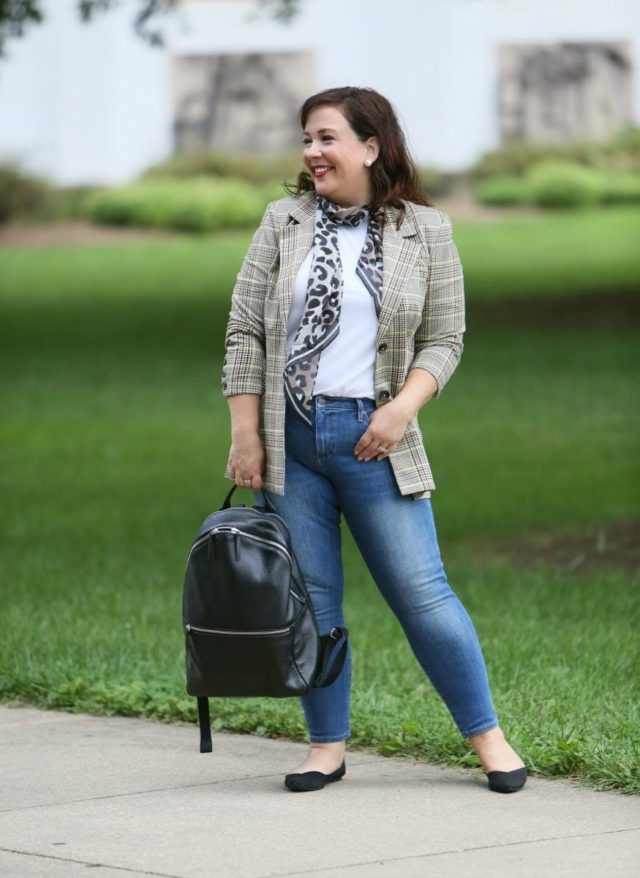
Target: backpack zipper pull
<point x="211" y="546"/>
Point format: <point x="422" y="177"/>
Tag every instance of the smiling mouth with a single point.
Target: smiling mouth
<point x="321" y="171"/>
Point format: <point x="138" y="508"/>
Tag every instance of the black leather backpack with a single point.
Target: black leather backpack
<point x="249" y="624"/>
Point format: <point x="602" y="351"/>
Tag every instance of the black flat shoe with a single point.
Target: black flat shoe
<point x="507" y="781"/>
<point x="309" y="781"/>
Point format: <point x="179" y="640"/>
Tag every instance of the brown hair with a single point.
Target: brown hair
<point x="394" y="177"/>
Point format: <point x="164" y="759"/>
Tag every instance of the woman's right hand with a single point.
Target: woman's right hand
<point x="246" y="460"/>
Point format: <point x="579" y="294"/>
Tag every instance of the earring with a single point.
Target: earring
<point x="368" y="163"/>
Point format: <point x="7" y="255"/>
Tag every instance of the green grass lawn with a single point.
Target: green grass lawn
<point x="561" y="254"/>
<point x="112" y="448"/>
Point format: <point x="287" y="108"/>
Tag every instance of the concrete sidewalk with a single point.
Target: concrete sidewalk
<point x="133" y="797"/>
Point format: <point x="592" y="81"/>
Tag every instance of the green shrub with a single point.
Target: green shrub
<point x="251" y="168"/>
<point x="620" y="188"/>
<point x="194" y="205"/>
<point x="626" y="144"/>
<point x="70" y="202"/>
<point x="563" y="184"/>
<point x="513" y="159"/>
<point x="502" y="191"/>
<point x="27" y="197"/>
<point x="272" y="170"/>
<point x="559" y="184"/>
<point x="620" y="153"/>
<point x="23" y="195"/>
<point x="628" y="138"/>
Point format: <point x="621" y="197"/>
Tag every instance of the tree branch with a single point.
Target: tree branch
<point x="18" y="15"/>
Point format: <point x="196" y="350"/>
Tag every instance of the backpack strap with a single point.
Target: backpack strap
<point x="205" y="725"/>
<point x="333" y="652"/>
<point x="267" y="502"/>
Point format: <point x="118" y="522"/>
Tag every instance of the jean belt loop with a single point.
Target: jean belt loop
<point x="362" y="413"/>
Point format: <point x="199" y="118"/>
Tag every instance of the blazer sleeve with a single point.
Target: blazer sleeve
<point x="438" y="341"/>
<point x="244" y="363"/>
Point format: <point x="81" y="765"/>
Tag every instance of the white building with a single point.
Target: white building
<point x="92" y="103"/>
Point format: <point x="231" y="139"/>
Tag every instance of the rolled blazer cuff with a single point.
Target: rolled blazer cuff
<point x="244" y="365"/>
<point x="438" y="342"/>
<point x="440" y="362"/>
<point x="237" y="387"/>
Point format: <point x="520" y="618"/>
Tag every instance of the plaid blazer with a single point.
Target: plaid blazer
<point x="421" y="322"/>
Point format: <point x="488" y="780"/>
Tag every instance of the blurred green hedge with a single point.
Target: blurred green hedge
<point x="271" y="170"/>
<point x="206" y="191"/>
<point x="502" y="191"/>
<point x="620" y="154"/>
<point x="253" y="169"/>
<point x="23" y="194"/>
<point x="563" y="184"/>
<point x="193" y="204"/>
<point x="557" y="183"/>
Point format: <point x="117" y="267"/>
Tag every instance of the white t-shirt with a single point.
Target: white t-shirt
<point x="347" y="366"/>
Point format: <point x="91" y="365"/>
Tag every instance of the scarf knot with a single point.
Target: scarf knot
<point x="343" y="216"/>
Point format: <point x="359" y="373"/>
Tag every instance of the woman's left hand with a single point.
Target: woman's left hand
<point x="386" y="428"/>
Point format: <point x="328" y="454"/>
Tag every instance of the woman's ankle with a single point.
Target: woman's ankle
<point x="323" y="756"/>
<point x="329" y="746"/>
<point x="494" y="751"/>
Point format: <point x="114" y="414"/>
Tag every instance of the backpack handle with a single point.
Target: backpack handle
<point x="267" y="502"/>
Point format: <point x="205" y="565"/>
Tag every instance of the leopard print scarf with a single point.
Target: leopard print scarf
<point x="320" y="323"/>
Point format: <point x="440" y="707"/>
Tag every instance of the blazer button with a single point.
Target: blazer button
<point x="384" y="394"/>
<point x="382" y="348"/>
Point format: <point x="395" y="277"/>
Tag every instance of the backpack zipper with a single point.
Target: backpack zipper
<point x="263" y="633"/>
<point x="228" y="529"/>
<point x="235" y="531"/>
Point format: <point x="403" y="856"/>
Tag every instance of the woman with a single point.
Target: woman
<point x="347" y="317"/>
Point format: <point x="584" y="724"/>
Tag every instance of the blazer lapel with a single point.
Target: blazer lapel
<point x="400" y="249"/>
<point x="296" y="239"/>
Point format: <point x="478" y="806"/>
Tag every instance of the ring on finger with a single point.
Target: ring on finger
<point x="383" y="449"/>
<point x="246" y="481"/>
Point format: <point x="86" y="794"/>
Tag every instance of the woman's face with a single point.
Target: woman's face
<point x="336" y="158"/>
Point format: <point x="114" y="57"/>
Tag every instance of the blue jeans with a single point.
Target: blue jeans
<point x="397" y="538"/>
